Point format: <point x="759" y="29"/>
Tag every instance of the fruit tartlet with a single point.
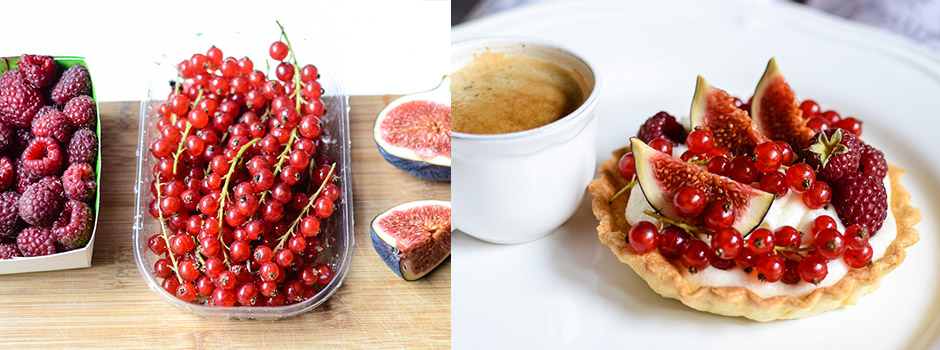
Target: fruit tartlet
<point x="770" y="209"/>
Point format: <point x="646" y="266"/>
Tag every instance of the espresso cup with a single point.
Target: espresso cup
<point x="520" y="186"/>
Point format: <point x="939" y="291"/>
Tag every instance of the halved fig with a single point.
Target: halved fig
<point x="661" y="175"/>
<point x="776" y="111"/>
<point x="413" y="238"/>
<point x="713" y="110"/>
<point x="413" y="133"/>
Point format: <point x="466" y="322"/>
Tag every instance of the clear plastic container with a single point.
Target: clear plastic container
<point x="337" y="231"/>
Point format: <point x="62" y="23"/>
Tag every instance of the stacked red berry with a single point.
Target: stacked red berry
<point x="239" y="187"/>
<point x="702" y="234"/>
<point x="46" y="193"/>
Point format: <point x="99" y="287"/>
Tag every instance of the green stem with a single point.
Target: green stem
<point x="794" y="250"/>
<point x="624" y="189"/>
<point x="166" y="237"/>
<point x="692" y="230"/>
<point x="233" y="164"/>
<point x="303" y="213"/>
<point x="179" y="149"/>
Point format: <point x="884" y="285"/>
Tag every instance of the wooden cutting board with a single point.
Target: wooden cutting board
<point x="108" y="305"/>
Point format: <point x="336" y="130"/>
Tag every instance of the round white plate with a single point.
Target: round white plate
<point x="569" y="289"/>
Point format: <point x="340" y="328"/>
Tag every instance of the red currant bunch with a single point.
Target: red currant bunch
<point x="240" y="184"/>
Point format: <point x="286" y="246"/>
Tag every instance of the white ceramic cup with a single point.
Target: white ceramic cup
<point x="520" y="186"/>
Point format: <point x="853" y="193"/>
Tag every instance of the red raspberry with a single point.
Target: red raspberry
<point x="79" y="182"/>
<point x="39" y="71"/>
<point x="24" y="178"/>
<point x="7" y="173"/>
<point x="83" y="148"/>
<point x="43" y="157"/>
<point x="10" y="78"/>
<point x="8" y="251"/>
<point x="19" y="103"/>
<point x="81" y="112"/>
<point x="860" y="198"/>
<point x="833" y="153"/>
<point x="662" y="125"/>
<point x="36" y="241"/>
<point x="74" y="82"/>
<point x="42" y="202"/>
<point x="7" y="137"/>
<point x="873" y="161"/>
<point x="9" y="221"/>
<point x="74" y="227"/>
<point x="52" y="124"/>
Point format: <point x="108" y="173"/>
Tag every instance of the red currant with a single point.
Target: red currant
<point x="776" y="183"/>
<point x="787" y="236"/>
<point x="823" y="222"/>
<point x="817" y="196"/>
<point x="810" y="109"/>
<point x="671" y="241"/>
<point x="829" y="243"/>
<point x="689" y="201"/>
<point x="813" y="268"/>
<point x="700" y="141"/>
<point x="742" y="170"/>
<point x="818" y="123"/>
<point x="761" y="241"/>
<point x="850" y="124"/>
<point x="770" y="268"/>
<point x="858" y="258"/>
<point x="726" y="243"/>
<point x="719" y="214"/>
<point x="800" y="177"/>
<point x="278" y="51"/>
<point x="769" y="157"/>
<point x="643" y="237"/>
<point x="627" y="166"/>
<point x="856" y="237"/>
<point x="718" y="165"/>
<point x="662" y="145"/>
<point x="695" y="255"/>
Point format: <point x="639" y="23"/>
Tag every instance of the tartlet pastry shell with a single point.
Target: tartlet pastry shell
<point x="667" y="279"/>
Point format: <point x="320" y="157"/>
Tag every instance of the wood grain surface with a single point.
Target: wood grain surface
<point x="108" y="306"/>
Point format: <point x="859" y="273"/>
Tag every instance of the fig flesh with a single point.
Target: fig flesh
<point x="413" y="133"/>
<point x="776" y="110"/>
<point x="713" y="109"/>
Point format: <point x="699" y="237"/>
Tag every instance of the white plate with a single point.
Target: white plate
<point x="569" y="289"/>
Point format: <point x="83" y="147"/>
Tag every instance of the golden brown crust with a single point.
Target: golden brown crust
<point x="667" y="279"/>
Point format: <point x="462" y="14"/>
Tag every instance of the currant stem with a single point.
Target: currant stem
<point x="794" y="250"/>
<point x="303" y="213"/>
<point x="180" y="148"/>
<point x="166" y="237"/>
<point x="624" y="189"/>
<point x="287" y="41"/>
<point x="224" y="194"/>
<point x="692" y="230"/>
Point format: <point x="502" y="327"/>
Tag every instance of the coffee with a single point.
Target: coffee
<point x="499" y="93"/>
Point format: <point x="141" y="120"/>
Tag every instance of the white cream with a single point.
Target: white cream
<point x="787" y="210"/>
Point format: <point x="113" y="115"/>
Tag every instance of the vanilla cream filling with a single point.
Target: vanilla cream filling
<point x="788" y="210"/>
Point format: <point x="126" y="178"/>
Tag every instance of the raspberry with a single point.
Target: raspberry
<point x="45" y="109"/>
<point x="873" y="161"/>
<point x="36" y="241"/>
<point x="20" y="140"/>
<point x="52" y="124"/>
<point x="833" y="153"/>
<point x="8" y="251"/>
<point x="41" y="203"/>
<point x="7" y="173"/>
<point x="39" y="71"/>
<point x="74" y="82"/>
<point x="860" y="198"/>
<point x="7" y="137"/>
<point x="24" y="178"/>
<point x="81" y="112"/>
<point x="73" y="228"/>
<point x="9" y="221"/>
<point x="83" y="148"/>
<point x="43" y="157"/>
<point x="79" y="182"/>
<point x="662" y="125"/>
<point x="19" y="103"/>
<point x="10" y="78"/>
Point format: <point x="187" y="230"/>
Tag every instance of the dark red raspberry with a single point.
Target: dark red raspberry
<point x="83" y="148"/>
<point x="7" y="137"/>
<point x="8" y="251"/>
<point x="45" y="109"/>
<point x="42" y="202"/>
<point x="79" y="182"/>
<point x="873" y="161"/>
<point x="81" y="112"/>
<point x="860" y="198"/>
<point x="36" y="241"/>
<point x="10" y="223"/>
<point x="43" y="157"/>
<point x="833" y="153"/>
<point x="19" y="103"/>
<point x="73" y="228"/>
<point x="39" y="71"/>
<point x="74" y="82"/>
<point x="662" y="125"/>
<point x="10" y="78"/>
<point x="24" y="178"/>
<point x="52" y="124"/>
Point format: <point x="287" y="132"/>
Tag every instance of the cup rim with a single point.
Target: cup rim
<point x="577" y="114"/>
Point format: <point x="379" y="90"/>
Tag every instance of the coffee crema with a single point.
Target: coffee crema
<point x="498" y="93"/>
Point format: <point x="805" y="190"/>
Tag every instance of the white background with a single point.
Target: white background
<point x="375" y="47"/>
